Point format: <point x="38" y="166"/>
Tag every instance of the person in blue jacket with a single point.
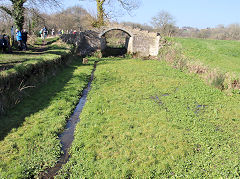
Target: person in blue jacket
<point x="19" y="39"/>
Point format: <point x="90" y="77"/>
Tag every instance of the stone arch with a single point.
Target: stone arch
<point x="140" y="42"/>
<point x="128" y="41"/>
<point x="115" y="28"/>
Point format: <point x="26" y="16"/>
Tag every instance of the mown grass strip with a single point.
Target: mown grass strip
<point x="144" y="119"/>
<point x="29" y="132"/>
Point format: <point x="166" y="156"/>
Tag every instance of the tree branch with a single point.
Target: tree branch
<point x="5" y="9"/>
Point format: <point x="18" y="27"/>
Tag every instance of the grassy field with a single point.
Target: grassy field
<point x="144" y="119"/>
<point x="221" y="54"/>
<point x="18" y="60"/>
<point x="29" y="132"/>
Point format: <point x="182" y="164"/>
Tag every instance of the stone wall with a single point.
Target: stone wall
<point x="85" y="42"/>
<point x="144" y="46"/>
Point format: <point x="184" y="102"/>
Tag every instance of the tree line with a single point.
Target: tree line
<point x="26" y="14"/>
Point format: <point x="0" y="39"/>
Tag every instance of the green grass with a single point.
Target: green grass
<point x="50" y="40"/>
<point x="18" y="61"/>
<point x="144" y="119"/>
<point x="221" y="54"/>
<point x="34" y="52"/>
<point x="29" y="132"/>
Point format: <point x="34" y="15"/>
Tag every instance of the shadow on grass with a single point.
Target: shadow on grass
<point x="38" y="99"/>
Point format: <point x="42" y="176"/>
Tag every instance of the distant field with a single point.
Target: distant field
<point x="221" y="54"/>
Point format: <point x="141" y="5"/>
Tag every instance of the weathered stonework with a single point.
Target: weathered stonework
<point x="85" y="42"/>
<point x="140" y="42"/>
<point x="143" y="43"/>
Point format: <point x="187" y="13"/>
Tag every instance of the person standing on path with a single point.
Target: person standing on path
<point x="41" y="33"/>
<point x="12" y="36"/>
<point x="24" y="39"/>
<point x="19" y="38"/>
<point x="53" y="32"/>
<point x="44" y="33"/>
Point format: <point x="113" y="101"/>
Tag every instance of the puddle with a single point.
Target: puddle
<point x="157" y="100"/>
<point x="67" y="136"/>
<point x="199" y="108"/>
<point x="166" y="94"/>
<point x="202" y="106"/>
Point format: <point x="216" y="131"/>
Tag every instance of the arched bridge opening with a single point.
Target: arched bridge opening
<point x="115" y="42"/>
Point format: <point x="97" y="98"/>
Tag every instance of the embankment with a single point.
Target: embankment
<point x="15" y="83"/>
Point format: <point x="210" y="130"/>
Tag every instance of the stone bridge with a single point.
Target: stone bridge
<point x="140" y="42"/>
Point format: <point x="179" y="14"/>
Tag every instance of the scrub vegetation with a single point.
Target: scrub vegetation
<point x="144" y="119"/>
<point x="29" y="132"/>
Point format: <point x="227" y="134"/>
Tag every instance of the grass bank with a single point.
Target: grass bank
<point x="19" y="62"/>
<point x="222" y="54"/>
<point x="144" y="119"/>
<point x="23" y="70"/>
<point x="217" y="61"/>
<point x="29" y="132"/>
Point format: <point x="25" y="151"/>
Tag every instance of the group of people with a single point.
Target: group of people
<point x="5" y="43"/>
<point x="21" y="38"/>
<point x="43" y="33"/>
<point x="61" y="32"/>
<point x="71" y="31"/>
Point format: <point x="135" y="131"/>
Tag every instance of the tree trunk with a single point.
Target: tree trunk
<point x="100" y="12"/>
<point x="18" y="13"/>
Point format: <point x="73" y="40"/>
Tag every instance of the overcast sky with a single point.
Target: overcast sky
<point x="195" y="13"/>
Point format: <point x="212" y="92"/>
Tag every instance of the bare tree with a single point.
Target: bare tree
<point x="104" y="11"/>
<point x="139" y="26"/>
<point x="16" y="8"/>
<point x="6" y="22"/>
<point x="164" y="22"/>
<point x="75" y="18"/>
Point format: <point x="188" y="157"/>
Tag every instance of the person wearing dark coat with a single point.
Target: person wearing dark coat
<point x="5" y="44"/>
<point x="24" y="39"/>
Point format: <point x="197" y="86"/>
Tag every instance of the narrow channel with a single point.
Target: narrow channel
<point x="67" y="136"/>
